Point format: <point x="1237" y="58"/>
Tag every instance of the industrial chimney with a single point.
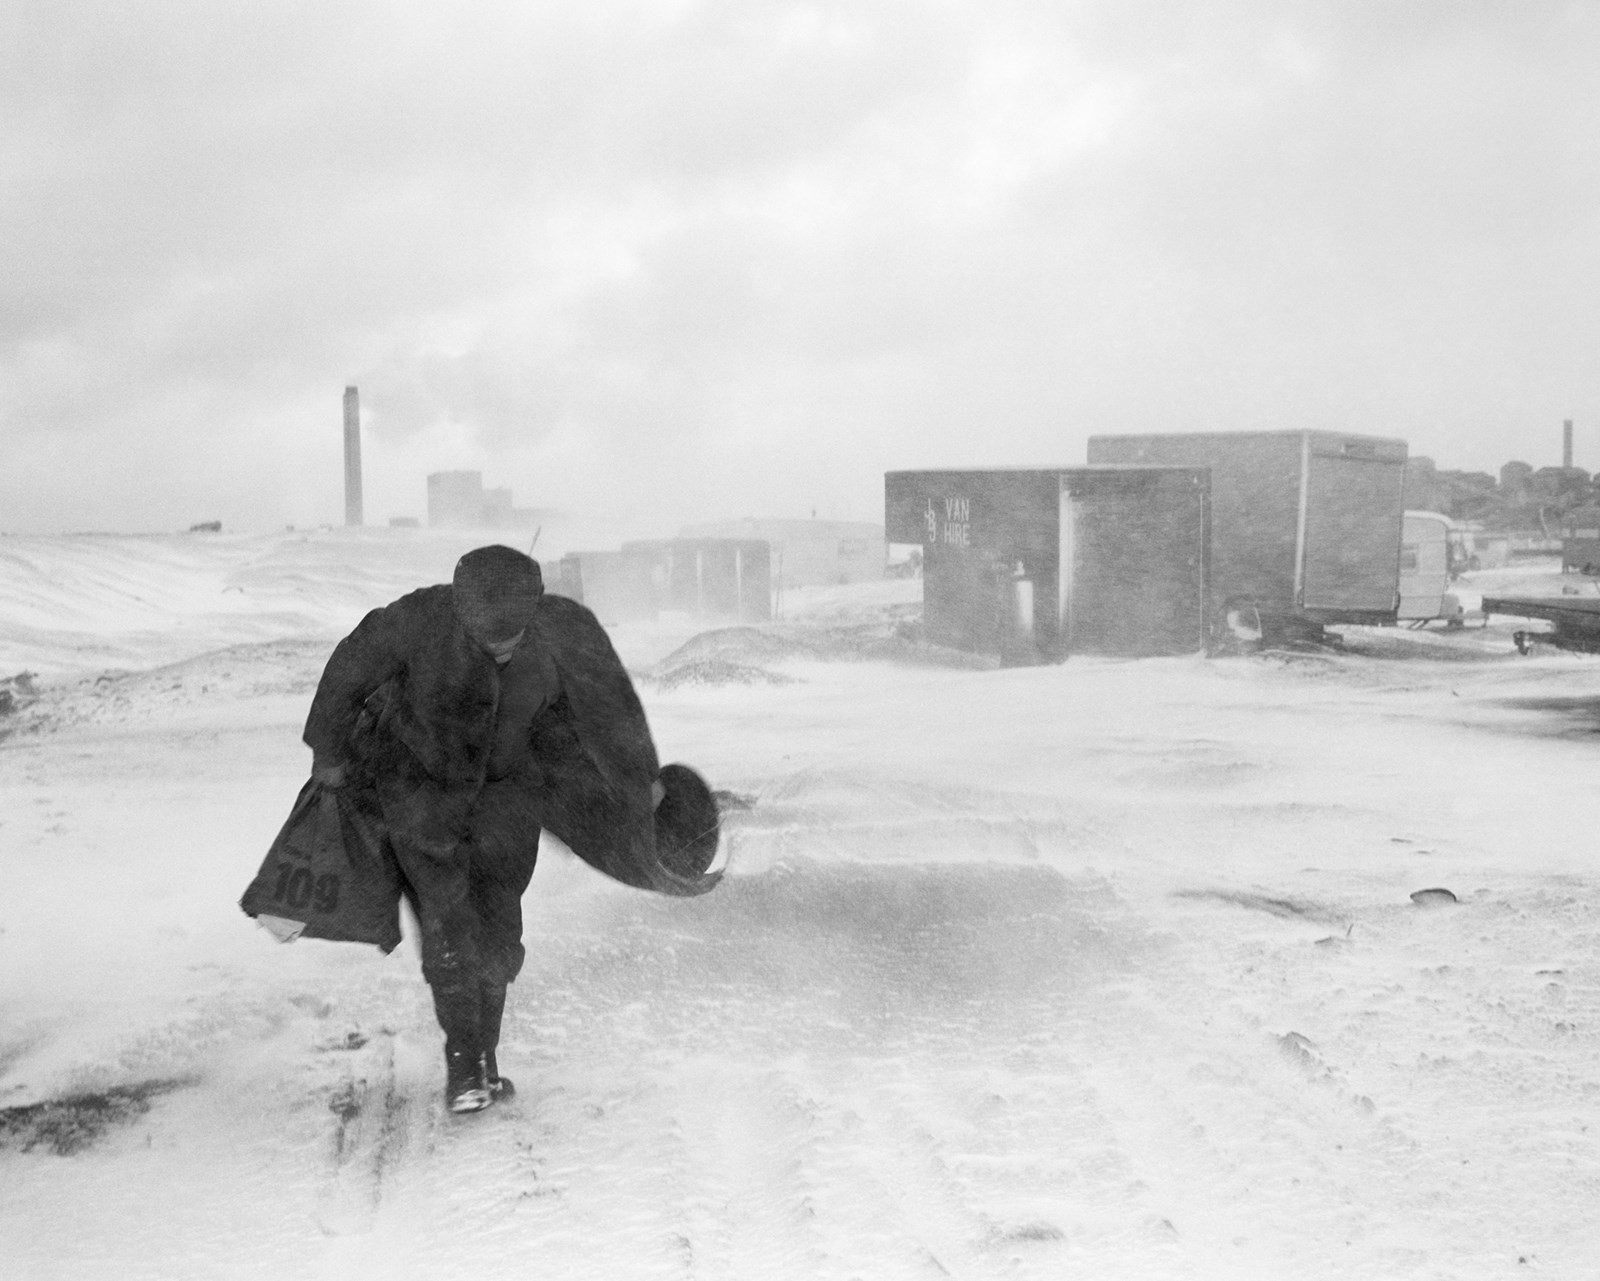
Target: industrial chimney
<point x="352" y="457"/>
<point x="1566" y="444"/>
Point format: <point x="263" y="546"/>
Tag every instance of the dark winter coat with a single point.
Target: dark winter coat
<point x="408" y="703"/>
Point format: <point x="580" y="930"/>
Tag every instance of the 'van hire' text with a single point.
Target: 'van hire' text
<point x="955" y="529"/>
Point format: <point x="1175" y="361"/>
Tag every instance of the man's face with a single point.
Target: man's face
<point x="501" y="650"/>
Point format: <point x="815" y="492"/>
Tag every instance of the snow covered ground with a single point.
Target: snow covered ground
<point x="1110" y="970"/>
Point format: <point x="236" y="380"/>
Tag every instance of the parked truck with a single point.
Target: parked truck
<point x="1305" y="525"/>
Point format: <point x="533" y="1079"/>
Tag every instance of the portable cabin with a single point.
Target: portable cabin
<point x="809" y="553"/>
<point x="1425" y="563"/>
<point x="1580" y="541"/>
<point x="710" y="577"/>
<point x="1305" y="525"/>
<point x="1034" y="564"/>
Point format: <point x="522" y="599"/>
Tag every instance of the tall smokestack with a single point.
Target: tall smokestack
<point x="352" y="456"/>
<point x="1566" y="443"/>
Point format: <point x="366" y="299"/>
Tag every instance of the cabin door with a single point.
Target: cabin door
<point x="1134" y="554"/>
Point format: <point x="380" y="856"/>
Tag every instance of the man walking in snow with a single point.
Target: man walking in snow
<point x="476" y="713"/>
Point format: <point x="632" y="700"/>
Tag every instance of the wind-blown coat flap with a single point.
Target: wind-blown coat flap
<point x="594" y="748"/>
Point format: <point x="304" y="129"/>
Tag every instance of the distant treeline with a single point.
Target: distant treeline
<point x="1521" y="498"/>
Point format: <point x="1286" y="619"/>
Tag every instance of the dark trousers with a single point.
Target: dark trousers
<point x="465" y="878"/>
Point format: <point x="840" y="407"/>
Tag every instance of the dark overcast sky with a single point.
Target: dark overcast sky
<point x="697" y="260"/>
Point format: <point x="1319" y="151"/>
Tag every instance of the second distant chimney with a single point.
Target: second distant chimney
<point x="1566" y="443"/>
<point x="352" y="456"/>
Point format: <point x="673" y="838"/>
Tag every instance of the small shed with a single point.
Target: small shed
<point x="809" y="553"/>
<point x="1034" y="564"/>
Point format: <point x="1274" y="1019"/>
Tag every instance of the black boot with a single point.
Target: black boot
<point x="491" y="1011"/>
<point x="465" y="1089"/>
<point x="459" y="1008"/>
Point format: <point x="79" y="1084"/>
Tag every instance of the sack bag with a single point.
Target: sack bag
<point x="329" y="874"/>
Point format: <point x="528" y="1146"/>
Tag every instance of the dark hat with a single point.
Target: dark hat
<point x="495" y="590"/>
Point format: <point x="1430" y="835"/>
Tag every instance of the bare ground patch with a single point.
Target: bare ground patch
<point x="69" y="1125"/>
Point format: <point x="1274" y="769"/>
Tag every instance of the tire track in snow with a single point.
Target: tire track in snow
<point x="382" y="1120"/>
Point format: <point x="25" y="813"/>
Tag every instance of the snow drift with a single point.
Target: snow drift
<point x="1106" y="969"/>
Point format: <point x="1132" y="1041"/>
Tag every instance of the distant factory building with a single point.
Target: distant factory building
<point x="458" y="500"/>
<point x="809" y="553"/>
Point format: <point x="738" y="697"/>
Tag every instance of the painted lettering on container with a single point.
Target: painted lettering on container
<point x="950" y="522"/>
